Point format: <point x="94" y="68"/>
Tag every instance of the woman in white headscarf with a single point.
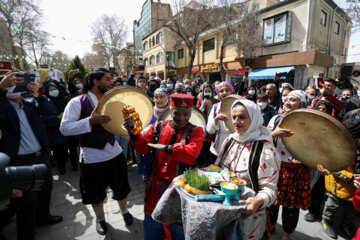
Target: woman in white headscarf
<point x="294" y="180"/>
<point x="249" y="153"/>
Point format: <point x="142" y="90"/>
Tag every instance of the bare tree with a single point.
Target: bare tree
<point x="19" y="15"/>
<point x="353" y="10"/>
<point x="109" y="32"/>
<point x="236" y="19"/>
<point x="93" y="61"/>
<point x="191" y="19"/>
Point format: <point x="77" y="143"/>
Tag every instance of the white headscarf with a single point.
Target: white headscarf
<point x="256" y="130"/>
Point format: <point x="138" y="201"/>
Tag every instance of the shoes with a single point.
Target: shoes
<point x="101" y="227"/>
<point x="309" y="217"/>
<point x="329" y="230"/>
<point x="51" y="220"/>
<point x="128" y="218"/>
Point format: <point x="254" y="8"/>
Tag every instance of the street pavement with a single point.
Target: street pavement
<point x="79" y="219"/>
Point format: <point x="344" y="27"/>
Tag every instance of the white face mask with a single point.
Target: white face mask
<point x="12" y="96"/>
<point x="54" y="93"/>
<point x="280" y="89"/>
<point x="283" y="99"/>
<point x="28" y="99"/>
<point x="207" y="94"/>
<point x="79" y="86"/>
<point x="251" y="92"/>
<point x="262" y="105"/>
<point x="358" y="93"/>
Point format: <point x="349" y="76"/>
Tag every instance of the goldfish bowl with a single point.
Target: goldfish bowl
<point x="231" y="191"/>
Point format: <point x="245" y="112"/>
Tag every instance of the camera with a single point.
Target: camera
<point x="24" y="178"/>
<point x="206" y="96"/>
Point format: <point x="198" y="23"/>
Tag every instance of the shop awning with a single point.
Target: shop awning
<point x="269" y="73"/>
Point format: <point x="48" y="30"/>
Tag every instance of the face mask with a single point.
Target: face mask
<point x="188" y="93"/>
<point x="280" y="89"/>
<point x="79" y="86"/>
<point x="358" y="93"/>
<point x="11" y="95"/>
<point x="187" y="85"/>
<point x="207" y="94"/>
<point x="262" y="105"/>
<point x="283" y="99"/>
<point x="251" y="92"/>
<point x="170" y="86"/>
<point x="28" y="99"/>
<point x="54" y="93"/>
<point x="162" y="86"/>
<point x="152" y="88"/>
<point x="197" y="90"/>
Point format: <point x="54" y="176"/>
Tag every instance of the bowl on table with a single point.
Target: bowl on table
<point x="241" y="183"/>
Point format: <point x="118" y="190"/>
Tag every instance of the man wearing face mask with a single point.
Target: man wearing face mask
<point x="267" y="111"/>
<point x="152" y="86"/>
<point x="24" y="139"/>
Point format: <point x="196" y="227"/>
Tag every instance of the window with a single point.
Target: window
<point x="337" y="28"/>
<point x="277" y="29"/>
<point x="146" y="46"/>
<point x="209" y="45"/>
<point x="180" y="53"/>
<point x="152" y="60"/>
<point x="159" y="58"/>
<point x="150" y="43"/>
<point x="323" y="16"/>
<point x="159" y="38"/>
<point x="153" y="41"/>
<point x="146" y="62"/>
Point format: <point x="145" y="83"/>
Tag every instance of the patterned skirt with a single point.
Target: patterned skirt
<point x="294" y="186"/>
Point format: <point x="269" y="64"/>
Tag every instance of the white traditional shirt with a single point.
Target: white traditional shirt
<point x="237" y="160"/>
<point x="71" y="124"/>
<point x="221" y="131"/>
<point x="285" y="155"/>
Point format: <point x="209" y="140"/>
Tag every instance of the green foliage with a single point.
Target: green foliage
<point x="196" y="181"/>
<point x="76" y="64"/>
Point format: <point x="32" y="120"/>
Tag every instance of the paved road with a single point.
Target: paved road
<point x="79" y="220"/>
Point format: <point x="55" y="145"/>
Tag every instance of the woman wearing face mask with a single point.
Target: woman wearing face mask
<point x="207" y="100"/>
<point x="294" y="180"/>
<point x="52" y="115"/>
<point x="216" y="125"/>
<point x="267" y="111"/>
<point x="251" y="95"/>
<point x="188" y="89"/>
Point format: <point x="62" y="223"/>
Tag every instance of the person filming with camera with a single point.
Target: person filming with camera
<point x="24" y="139"/>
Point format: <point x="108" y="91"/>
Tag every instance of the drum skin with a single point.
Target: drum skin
<point x="197" y="118"/>
<point x="225" y="108"/>
<point x="113" y="102"/>
<point x="319" y="139"/>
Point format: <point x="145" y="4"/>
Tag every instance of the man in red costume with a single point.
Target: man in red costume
<point x="174" y="145"/>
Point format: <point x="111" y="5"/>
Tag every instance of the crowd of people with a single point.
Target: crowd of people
<point x="55" y="121"/>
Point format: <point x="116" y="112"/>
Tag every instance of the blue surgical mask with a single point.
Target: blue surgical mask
<point x="170" y="86"/>
<point x="187" y="85"/>
<point x="162" y="86"/>
<point x="54" y="93"/>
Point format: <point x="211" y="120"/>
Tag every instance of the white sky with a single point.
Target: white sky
<point x="72" y="19"/>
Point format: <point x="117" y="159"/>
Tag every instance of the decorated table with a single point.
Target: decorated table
<point x="202" y="219"/>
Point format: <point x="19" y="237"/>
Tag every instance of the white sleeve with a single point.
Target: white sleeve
<point x="268" y="174"/>
<point x="211" y="128"/>
<point x="272" y="122"/>
<point x="70" y="123"/>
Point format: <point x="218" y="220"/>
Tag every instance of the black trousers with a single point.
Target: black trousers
<point x="73" y="149"/>
<point x="60" y="154"/>
<point x="317" y="196"/>
<point x="33" y="206"/>
<point x="290" y="217"/>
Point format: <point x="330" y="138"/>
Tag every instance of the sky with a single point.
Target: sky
<point x="71" y="19"/>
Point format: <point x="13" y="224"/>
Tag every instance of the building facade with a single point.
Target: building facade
<point x="305" y="40"/>
<point x="158" y="53"/>
<point x="126" y="59"/>
<point x="152" y="15"/>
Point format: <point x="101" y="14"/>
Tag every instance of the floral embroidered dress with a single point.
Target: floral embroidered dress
<point x="294" y="180"/>
<point x="237" y="161"/>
